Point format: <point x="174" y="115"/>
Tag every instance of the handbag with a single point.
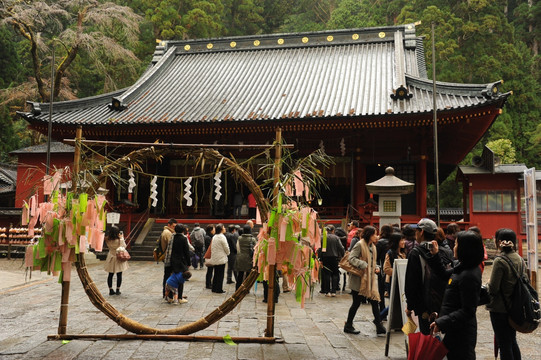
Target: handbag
<point x="122" y="254"/>
<point x="346" y="265"/>
<point x="208" y="253"/>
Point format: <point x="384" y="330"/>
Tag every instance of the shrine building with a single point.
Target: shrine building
<point x="361" y="94"/>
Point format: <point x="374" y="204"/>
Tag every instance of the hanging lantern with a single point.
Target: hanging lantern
<point x="188" y="192"/>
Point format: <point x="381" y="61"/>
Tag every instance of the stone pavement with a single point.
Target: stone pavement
<point x="29" y="312"/>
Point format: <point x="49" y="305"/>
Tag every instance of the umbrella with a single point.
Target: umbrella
<point x="425" y="347"/>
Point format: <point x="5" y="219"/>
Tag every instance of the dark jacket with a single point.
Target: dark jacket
<point x="446" y="255"/>
<point x="457" y="316"/>
<point x="424" y="294"/>
<point x="246" y="245"/>
<point x="232" y="243"/>
<point x="180" y="254"/>
<point x="382" y="246"/>
<point x="334" y="247"/>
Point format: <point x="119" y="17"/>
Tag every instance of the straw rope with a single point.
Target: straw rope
<point x="128" y="324"/>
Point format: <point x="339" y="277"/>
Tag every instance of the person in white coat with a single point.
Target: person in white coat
<point x="218" y="258"/>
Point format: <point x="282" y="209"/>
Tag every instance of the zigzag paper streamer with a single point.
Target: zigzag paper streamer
<point x="218" y="187"/>
<point x="131" y="182"/>
<point x="322" y="146"/>
<point x="154" y="191"/>
<point x="342" y="147"/>
<point x="187" y="191"/>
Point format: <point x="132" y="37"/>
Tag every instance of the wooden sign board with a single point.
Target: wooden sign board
<point x="397" y="301"/>
<point x="113" y="218"/>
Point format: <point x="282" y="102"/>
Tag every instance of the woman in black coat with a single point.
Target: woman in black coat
<point x="180" y="254"/>
<point x="457" y="319"/>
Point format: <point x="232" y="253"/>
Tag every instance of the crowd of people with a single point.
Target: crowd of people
<point x="442" y="278"/>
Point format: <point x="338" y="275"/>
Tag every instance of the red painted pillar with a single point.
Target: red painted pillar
<point x="359" y="183"/>
<point x="421" y="186"/>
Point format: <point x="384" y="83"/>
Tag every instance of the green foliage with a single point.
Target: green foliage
<point x="10" y="65"/>
<point x="503" y="148"/>
<point x="177" y="19"/>
<point x="243" y="17"/>
<point x="450" y="193"/>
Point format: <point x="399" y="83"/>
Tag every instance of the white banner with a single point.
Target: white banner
<point x="530" y="196"/>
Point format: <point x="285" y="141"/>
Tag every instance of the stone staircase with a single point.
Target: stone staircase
<point x="143" y="251"/>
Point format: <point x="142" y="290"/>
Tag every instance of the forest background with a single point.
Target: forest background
<point x="102" y="46"/>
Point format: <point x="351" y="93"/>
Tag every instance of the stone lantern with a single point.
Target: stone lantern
<point x="390" y="190"/>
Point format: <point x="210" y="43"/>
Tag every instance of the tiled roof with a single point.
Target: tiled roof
<point x="499" y="169"/>
<point x="8" y="178"/>
<point x="259" y="78"/>
<point x="56" y="147"/>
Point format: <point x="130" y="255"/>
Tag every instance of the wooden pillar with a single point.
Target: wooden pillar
<point x="421" y="186"/>
<point x="64" y="302"/>
<point x="269" y="331"/>
<point x="359" y="181"/>
<point x="466" y="201"/>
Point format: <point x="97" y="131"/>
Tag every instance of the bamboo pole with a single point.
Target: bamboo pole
<point x="235" y="339"/>
<point x="179" y="146"/>
<point x="272" y="268"/>
<point x="64" y="302"/>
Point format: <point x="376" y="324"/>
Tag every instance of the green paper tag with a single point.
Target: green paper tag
<point x="298" y="289"/>
<point x="83" y="199"/>
<point x="64" y="342"/>
<point x="279" y="203"/>
<point x="229" y="341"/>
<point x="41" y="248"/>
<point x="324" y="244"/>
<point x="58" y="261"/>
<point x="271" y="217"/>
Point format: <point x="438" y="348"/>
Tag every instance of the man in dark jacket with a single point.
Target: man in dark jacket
<point x="232" y="242"/>
<point x="330" y="258"/>
<point x="424" y="289"/>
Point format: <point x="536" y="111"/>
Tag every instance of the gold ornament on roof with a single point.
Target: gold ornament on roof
<point x="186" y="47"/>
<point x="381" y="34"/>
<point x="280" y="41"/>
<point x="257" y="42"/>
<point x="232" y="44"/>
<point x="210" y="46"/>
<point x="355" y="36"/>
<point x="305" y="40"/>
<point x="330" y="38"/>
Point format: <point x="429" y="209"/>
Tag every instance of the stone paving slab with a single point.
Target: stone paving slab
<point x="30" y="311"/>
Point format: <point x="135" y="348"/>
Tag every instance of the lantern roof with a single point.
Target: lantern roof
<point x="390" y="184"/>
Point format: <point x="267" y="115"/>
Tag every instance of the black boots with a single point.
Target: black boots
<point x="380" y="329"/>
<point x="348" y="328"/>
<point x="111" y="292"/>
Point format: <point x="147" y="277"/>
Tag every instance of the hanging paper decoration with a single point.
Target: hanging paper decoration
<point x="289" y="240"/>
<point x="217" y="186"/>
<point x="241" y="143"/>
<point x="131" y="182"/>
<point x="342" y="147"/>
<point x="322" y="146"/>
<point x="154" y="191"/>
<point x="188" y="191"/>
<point x="71" y="223"/>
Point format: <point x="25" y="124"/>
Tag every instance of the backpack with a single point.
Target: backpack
<point x="198" y="238"/>
<point x="158" y="253"/>
<point x="433" y="286"/>
<point x="524" y="313"/>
